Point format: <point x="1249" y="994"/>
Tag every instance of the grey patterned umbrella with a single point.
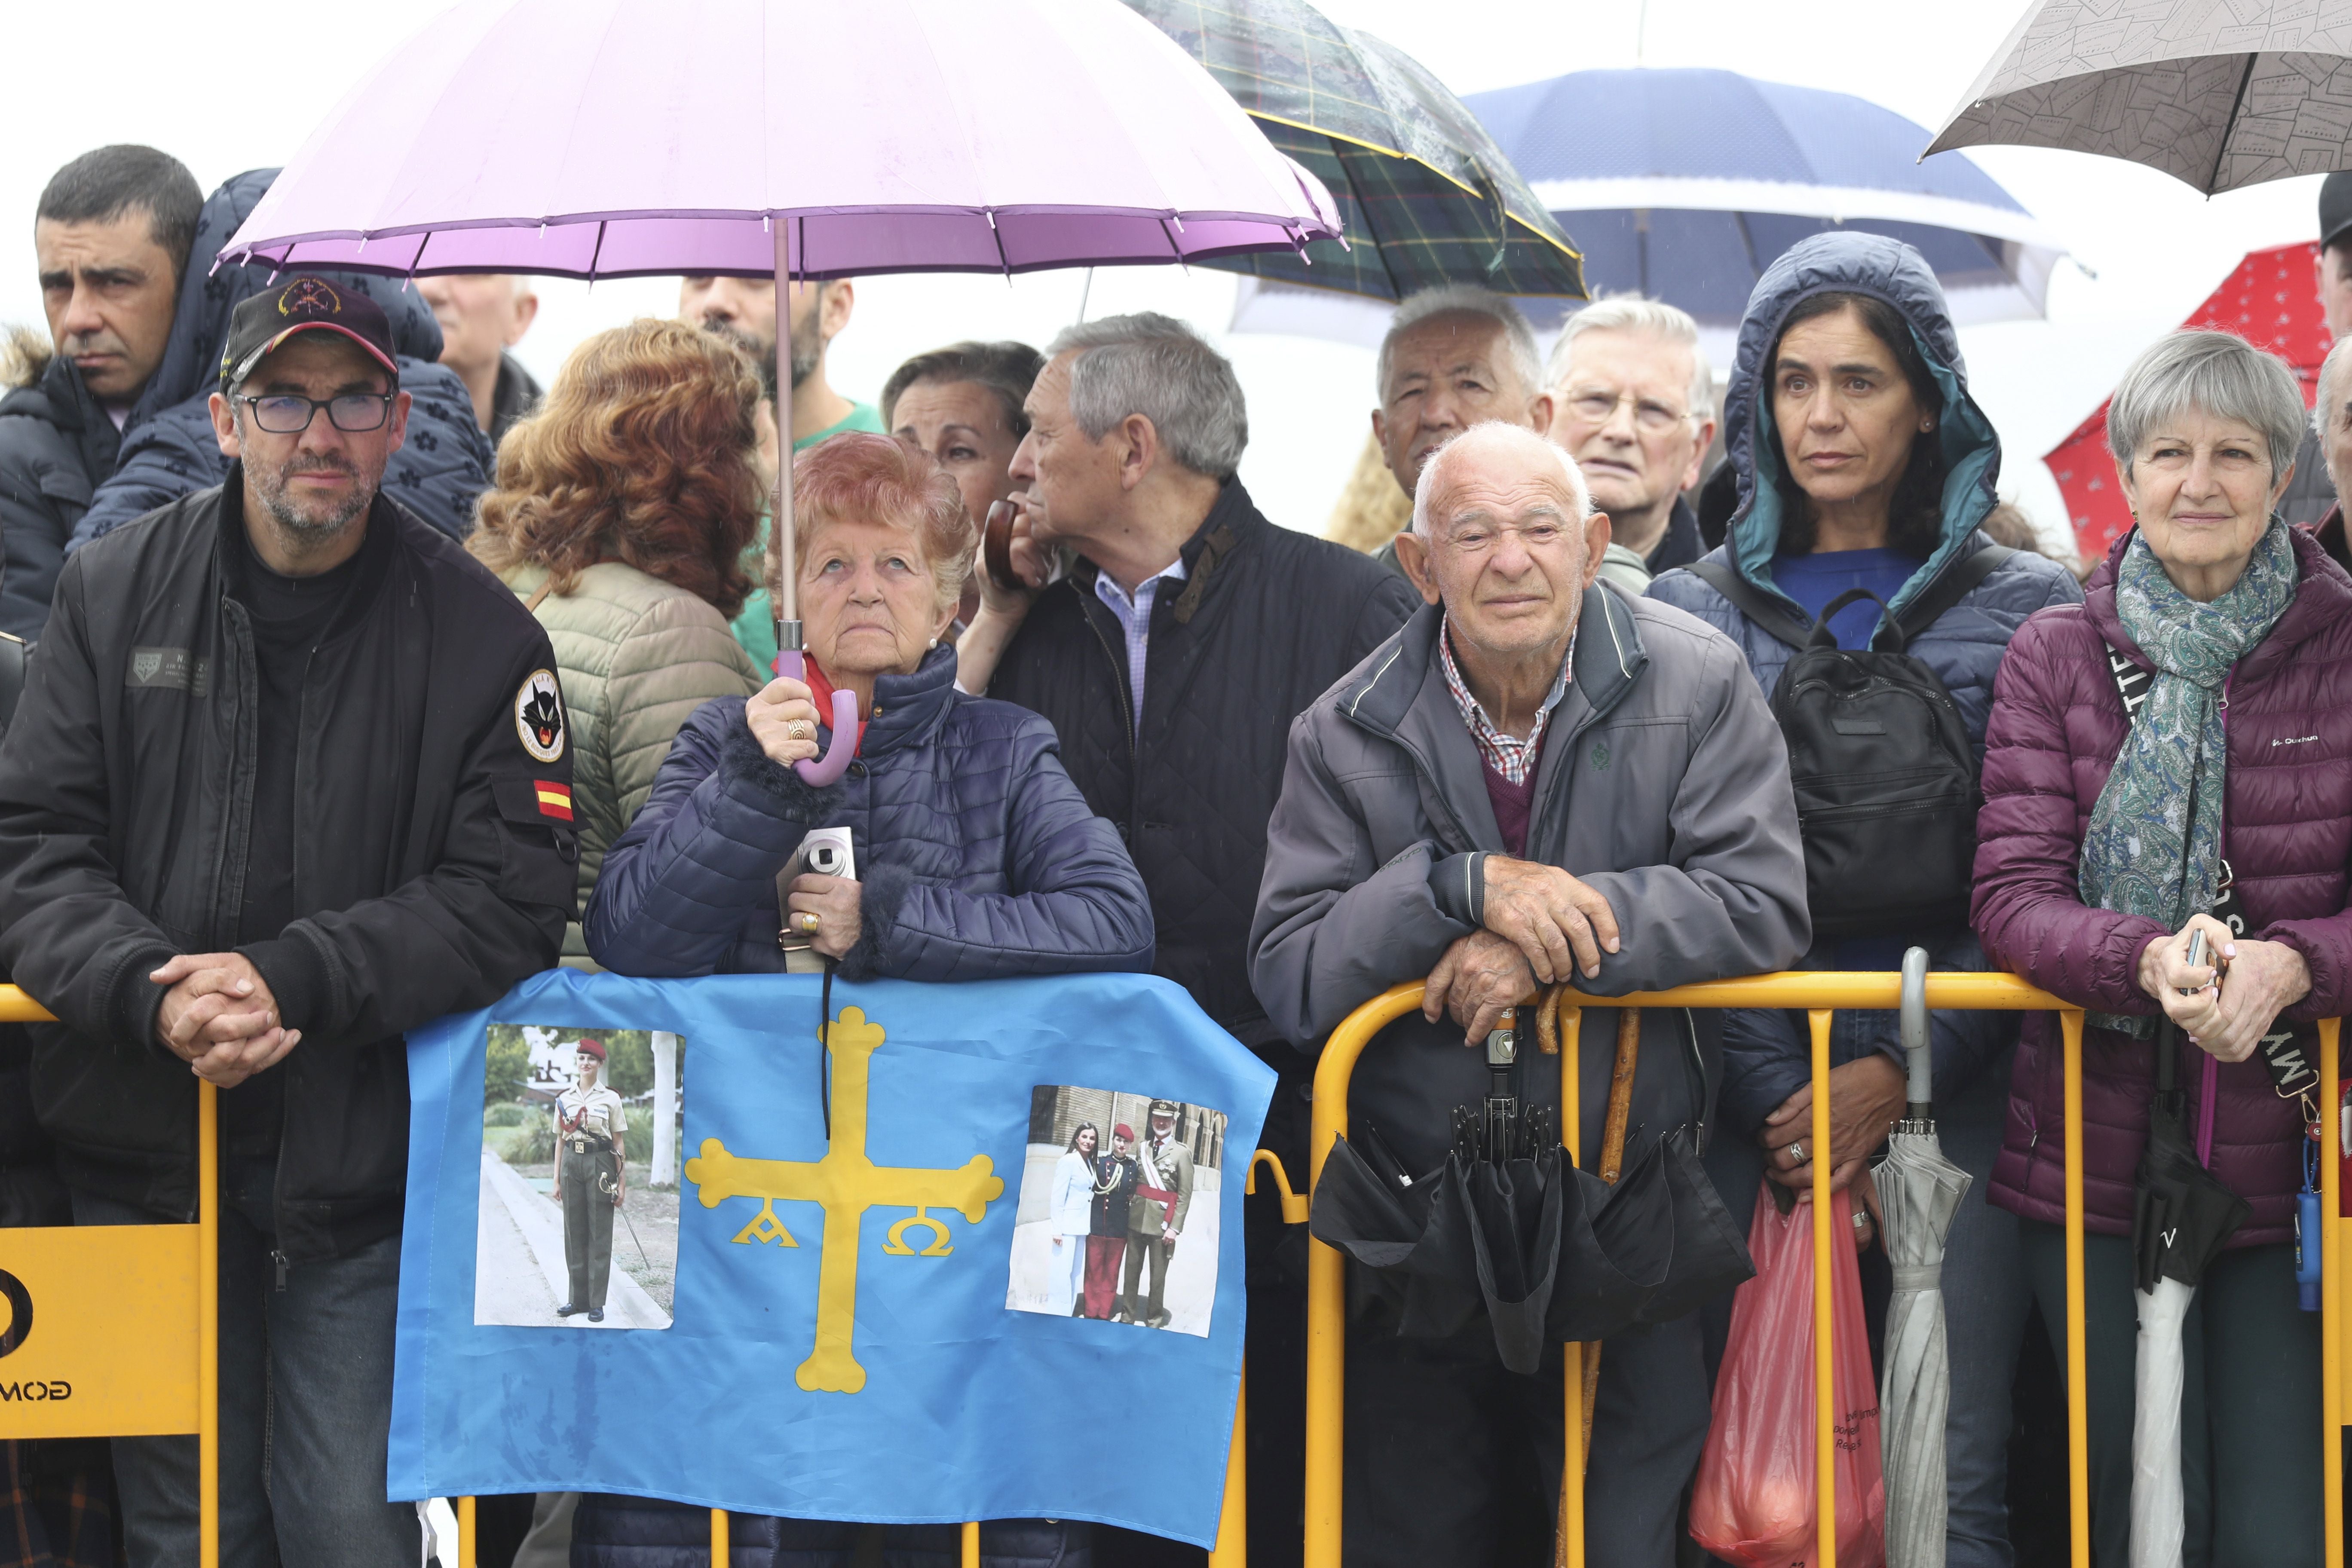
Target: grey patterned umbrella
<point x="2217" y="93"/>
<point x="1919" y="1192"/>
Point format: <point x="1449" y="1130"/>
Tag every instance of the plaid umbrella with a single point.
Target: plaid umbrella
<point x="1426" y="196"/>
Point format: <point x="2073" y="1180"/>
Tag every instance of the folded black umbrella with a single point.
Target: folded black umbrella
<point x="1547" y="1252"/>
<point x="1710" y="1252"/>
<point x="2181" y="1214"/>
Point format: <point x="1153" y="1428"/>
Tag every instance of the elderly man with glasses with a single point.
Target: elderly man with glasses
<point x="290" y="776"/>
<point x="1539" y="780"/>
<point x="1633" y="401"/>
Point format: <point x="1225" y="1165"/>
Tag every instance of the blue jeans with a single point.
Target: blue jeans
<point x="305" y="1406"/>
<point x="1987" y="1297"/>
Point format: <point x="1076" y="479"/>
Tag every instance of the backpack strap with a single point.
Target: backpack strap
<point x="1958" y="581"/>
<point x="1770" y="614"/>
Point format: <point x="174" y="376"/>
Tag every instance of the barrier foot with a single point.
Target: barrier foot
<point x="971" y="1544"/>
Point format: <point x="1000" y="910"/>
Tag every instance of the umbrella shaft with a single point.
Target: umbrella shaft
<point x="1502" y="1130"/>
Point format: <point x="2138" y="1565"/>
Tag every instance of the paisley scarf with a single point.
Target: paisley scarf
<point x="2154" y="844"/>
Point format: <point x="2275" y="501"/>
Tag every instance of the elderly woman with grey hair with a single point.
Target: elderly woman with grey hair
<point x="2171" y="751"/>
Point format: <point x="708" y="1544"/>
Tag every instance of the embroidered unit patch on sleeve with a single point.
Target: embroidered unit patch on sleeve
<point x="539" y="716"/>
<point x="554" y="799"/>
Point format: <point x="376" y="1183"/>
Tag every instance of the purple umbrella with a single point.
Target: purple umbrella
<point x="622" y="138"/>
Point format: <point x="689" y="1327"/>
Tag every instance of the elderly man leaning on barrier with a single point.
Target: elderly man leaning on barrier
<point x="290" y="775"/>
<point x="1539" y="779"/>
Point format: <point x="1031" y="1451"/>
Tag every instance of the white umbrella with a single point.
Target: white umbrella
<point x="1920" y="1193"/>
<point x="2156" y="1500"/>
<point x="2218" y="96"/>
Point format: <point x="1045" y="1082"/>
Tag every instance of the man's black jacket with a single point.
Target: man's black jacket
<point x="56" y="446"/>
<point x="1265" y="621"/>
<point x="126" y="788"/>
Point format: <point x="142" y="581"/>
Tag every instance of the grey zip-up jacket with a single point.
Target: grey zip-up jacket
<point x="1663" y="785"/>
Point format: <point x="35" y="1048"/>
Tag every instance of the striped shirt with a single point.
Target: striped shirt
<point x="1511" y="757"/>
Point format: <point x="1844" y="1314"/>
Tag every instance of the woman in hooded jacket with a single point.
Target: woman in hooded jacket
<point x="1862" y="463"/>
<point x="2114" y="828"/>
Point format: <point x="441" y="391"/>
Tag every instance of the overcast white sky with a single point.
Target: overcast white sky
<point x="227" y="90"/>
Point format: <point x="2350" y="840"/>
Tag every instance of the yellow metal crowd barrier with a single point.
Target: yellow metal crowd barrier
<point x="131" y="1332"/>
<point x="1818" y="995"/>
<point x="114" y="1330"/>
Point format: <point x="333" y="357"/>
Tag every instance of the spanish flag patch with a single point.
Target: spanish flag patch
<point x="554" y="799"/>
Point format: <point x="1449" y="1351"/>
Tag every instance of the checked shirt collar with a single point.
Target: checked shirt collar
<point x="1512" y="758"/>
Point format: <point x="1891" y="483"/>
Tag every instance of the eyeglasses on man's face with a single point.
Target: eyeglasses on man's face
<point x="1651" y="417"/>
<point x="353" y="412"/>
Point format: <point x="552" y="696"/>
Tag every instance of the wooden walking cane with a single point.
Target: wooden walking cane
<point x="1612" y="1164"/>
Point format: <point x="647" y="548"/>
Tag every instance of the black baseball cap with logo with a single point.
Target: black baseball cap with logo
<point x="298" y="304"/>
<point x="2335" y="210"/>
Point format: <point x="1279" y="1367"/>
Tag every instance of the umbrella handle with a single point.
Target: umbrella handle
<point x="820" y="772"/>
<point x="1919" y="1061"/>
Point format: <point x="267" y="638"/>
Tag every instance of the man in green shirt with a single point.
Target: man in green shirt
<point x="743" y="311"/>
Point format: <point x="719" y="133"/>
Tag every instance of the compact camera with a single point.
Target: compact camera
<point x="826" y="852"/>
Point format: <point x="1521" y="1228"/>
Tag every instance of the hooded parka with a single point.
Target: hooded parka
<point x="1765" y="1054"/>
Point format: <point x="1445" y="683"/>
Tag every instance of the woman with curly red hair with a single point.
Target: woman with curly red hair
<point x="622" y="514"/>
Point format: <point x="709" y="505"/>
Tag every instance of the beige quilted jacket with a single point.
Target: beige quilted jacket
<point x="638" y="655"/>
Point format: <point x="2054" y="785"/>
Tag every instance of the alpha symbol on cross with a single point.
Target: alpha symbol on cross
<point x="845" y="1184"/>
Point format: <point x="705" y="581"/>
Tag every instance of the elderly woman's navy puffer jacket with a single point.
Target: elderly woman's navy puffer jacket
<point x="978" y="857"/>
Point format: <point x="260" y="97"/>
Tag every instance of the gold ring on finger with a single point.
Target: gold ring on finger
<point x="797" y="729"/>
<point x="808" y="922"/>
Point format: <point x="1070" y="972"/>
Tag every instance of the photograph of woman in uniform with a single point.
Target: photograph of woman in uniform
<point x="590" y="1176"/>
<point x="1114" y="1179"/>
<point x="1073" y="1205"/>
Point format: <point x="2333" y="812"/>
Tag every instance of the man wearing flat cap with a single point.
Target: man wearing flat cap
<point x="290" y="775"/>
<point x="591" y="1179"/>
<point x="1155" y="1216"/>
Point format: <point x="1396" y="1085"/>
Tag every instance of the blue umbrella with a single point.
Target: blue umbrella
<point x="1685" y="184"/>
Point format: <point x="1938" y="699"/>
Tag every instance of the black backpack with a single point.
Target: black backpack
<point x="1884" y="776"/>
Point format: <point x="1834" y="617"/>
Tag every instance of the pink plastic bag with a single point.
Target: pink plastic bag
<point x="1754" y="1502"/>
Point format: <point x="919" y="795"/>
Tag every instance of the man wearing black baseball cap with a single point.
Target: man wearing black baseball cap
<point x="273" y="795"/>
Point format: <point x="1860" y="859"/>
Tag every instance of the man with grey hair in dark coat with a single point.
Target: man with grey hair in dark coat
<point x="1171" y="652"/>
<point x="1539" y="779"/>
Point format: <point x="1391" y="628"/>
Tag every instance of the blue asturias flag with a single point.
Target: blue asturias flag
<point x="972" y="1299"/>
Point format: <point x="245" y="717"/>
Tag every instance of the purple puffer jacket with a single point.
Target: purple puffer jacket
<point x="2057" y="724"/>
